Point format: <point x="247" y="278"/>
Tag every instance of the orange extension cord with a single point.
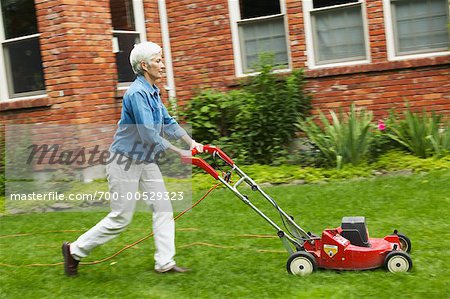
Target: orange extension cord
<point x="121" y="250"/>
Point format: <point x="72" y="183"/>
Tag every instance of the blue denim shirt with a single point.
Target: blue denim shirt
<point x="143" y="120"/>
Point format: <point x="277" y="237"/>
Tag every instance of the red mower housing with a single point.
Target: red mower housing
<point x="333" y="251"/>
<point x="348" y="247"/>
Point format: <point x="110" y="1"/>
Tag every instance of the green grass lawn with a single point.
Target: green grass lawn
<point x="240" y="265"/>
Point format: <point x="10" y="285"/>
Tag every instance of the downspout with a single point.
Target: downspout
<point x="170" y="87"/>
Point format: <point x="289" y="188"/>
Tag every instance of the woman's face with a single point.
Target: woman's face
<point x="154" y="69"/>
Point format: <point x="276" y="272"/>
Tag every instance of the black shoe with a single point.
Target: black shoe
<point x="70" y="264"/>
<point x="173" y="269"/>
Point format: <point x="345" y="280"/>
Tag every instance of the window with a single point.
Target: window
<point x="336" y="32"/>
<point x="21" y="71"/>
<point x="128" y="30"/>
<point x="258" y="27"/>
<point x="417" y="26"/>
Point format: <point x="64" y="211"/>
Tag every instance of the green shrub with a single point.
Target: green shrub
<point x="346" y="139"/>
<point x="266" y="122"/>
<point x="210" y="114"/>
<point x="256" y="123"/>
<point x="422" y="134"/>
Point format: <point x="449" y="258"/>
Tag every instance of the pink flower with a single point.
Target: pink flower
<point x="381" y="125"/>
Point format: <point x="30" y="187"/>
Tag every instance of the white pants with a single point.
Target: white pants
<point x="124" y="180"/>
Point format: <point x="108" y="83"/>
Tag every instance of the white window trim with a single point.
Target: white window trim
<point x="310" y="53"/>
<point x="39" y="96"/>
<point x="390" y="39"/>
<point x="165" y="33"/>
<point x="235" y="17"/>
<point x="139" y="22"/>
<point x="4" y="88"/>
<point x="139" y="19"/>
<point x="4" y="95"/>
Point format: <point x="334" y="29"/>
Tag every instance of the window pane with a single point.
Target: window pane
<point x="19" y="18"/>
<point x="325" y="3"/>
<point x="265" y="36"/>
<point x="338" y="35"/>
<point x="126" y="42"/>
<point x="24" y="66"/>
<point x="421" y="26"/>
<point x="122" y="15"/>
<point x="259" y="8"/>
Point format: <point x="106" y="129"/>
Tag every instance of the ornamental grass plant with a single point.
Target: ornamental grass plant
<point x="423" y="134"/>
<point x="343" y="139"/>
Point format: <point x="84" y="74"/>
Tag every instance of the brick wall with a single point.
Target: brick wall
<point x="203" y="58"/>
<point x="423" y="87"/>
<point x="201" y="45"/>
<point x="80" y="77"/>
<point x="383" y="84"/>
<point x="79" y="66"/>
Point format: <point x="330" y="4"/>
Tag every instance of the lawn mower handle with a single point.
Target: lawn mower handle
<point x="199" y="162"/>
<point x="213" y="149"/>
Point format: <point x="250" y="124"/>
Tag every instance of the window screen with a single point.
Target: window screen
<point x="338" y="35"/>
<point x="262" y="31"/>
<point x="267" y="36"/>
<point x="421" y="25"/>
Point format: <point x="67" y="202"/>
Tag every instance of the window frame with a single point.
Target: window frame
<point x="391" y="39"/>
<point x="139" y="22"/>
<point x="309" y="35"/>
<point x="5" y="83"/>
<point x="235" y="19"/>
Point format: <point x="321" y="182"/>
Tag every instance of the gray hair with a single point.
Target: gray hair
<point x="143" y="52"/>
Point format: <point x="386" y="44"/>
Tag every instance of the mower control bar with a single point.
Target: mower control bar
<point x="199" y="162"/>
<point x="215" y="150"/>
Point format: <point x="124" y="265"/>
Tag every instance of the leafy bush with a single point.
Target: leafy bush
<point x="346" y="139"/>
<point x="265" y="124"/>
<point x="422" y="134"/>
<point x="211" y="114"/>
<point x="256" y="123"/>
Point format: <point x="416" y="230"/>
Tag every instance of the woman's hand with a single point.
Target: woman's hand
<point x="197" y="146"/>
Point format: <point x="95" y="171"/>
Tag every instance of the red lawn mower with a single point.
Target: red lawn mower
<point x="347" y="247"/>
